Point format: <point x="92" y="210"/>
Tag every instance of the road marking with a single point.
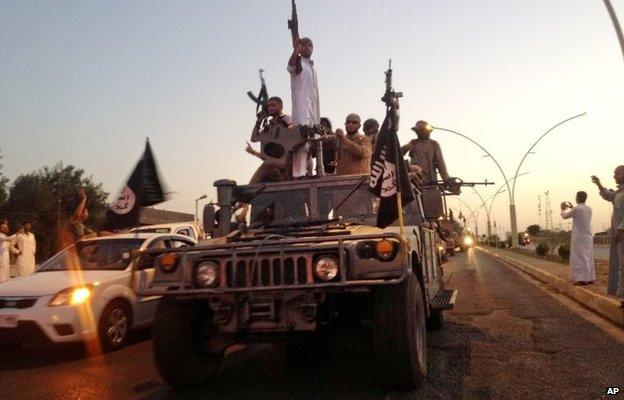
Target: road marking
<point x="605" y="325"/>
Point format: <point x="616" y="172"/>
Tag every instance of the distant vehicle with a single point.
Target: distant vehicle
<point x="85" y="292"/>
<point x="190" y="229"/>
<point x="466" y="242"/>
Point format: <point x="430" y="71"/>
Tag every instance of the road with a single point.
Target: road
<point x="507" y="338"/>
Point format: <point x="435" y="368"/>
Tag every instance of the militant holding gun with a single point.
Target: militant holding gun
<point x="262" y="99"/>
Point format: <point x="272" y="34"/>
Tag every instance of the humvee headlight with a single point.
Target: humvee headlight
<point x="468" y="241"/>
<point x="207" y="274"/>
<point x="326" y="268"/>
<point x="168" y="262"/>
<point x="385" y="249"/>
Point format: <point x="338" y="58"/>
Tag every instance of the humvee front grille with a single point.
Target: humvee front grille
<point x="247" y="272"/>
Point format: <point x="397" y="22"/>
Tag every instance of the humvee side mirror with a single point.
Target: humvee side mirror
<point x="209" y="220"/>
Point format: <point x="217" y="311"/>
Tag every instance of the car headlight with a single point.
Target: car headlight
<point x="326" y="268"/>
<point x="72" y="296"/>
<point x="207" y="274"/>
<point x="468" y="241"/>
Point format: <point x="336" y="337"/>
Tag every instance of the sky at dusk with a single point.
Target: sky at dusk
<point x="86" y="82"/>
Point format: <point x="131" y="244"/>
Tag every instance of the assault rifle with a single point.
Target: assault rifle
<point x="262" y="98"/>
<point x="391" y="98"/>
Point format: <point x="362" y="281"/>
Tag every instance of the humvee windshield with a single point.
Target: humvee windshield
<point x="326" y="202"/>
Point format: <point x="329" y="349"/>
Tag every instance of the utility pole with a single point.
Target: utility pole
<point x="548" y="211"/>
<point x="539" y="209"/>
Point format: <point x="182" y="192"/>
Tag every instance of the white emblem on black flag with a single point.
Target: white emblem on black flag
<point x="389" y="173"/>
<point x="142" y="190"/>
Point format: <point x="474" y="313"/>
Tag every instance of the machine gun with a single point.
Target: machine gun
<point x="262" y="99"/>
<point x="452" y="186"/>
<point x="391" y="99"/>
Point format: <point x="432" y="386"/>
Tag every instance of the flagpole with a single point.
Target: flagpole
<point x="400" y="209"/>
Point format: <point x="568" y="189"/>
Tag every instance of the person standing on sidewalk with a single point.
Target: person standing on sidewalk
<point x="6" y="247"/>
<point x="582" y="269"/>
<point x="27" y="247"/>
<point x="615" y="284"/>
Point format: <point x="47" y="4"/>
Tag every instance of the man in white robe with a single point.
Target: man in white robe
<point x="27" y="246"/>
<point x="6" y="247"/>
<point x="582" y="268"/>
<point x="305" y="98"/>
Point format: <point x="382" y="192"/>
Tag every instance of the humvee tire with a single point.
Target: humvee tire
<point x="435" y="320"/>
<point x="181" y="332"/>
<point x="399" y="335"/>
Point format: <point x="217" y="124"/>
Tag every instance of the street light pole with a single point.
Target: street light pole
<point x="616" y="24"/>
<point x="512" y="204"/>
<point x="203" y="196"/>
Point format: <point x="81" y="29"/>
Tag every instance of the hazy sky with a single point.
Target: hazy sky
<point x="86" y="82"/>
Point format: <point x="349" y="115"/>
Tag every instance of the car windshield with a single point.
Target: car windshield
<point x="110" y="254"/>
<point x="152" y="230"/>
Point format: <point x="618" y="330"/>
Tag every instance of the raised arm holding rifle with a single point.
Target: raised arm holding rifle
<point x="304" y="90"/>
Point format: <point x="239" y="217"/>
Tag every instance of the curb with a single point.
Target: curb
<point x="603" y="305"/>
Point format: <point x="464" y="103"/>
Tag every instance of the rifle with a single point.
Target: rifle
<point x="262" y="99"/>
<point x="391" y="98"/>
<point x="293" y="25"/>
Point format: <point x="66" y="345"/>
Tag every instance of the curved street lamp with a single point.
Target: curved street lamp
<point x="510" y="191"/>
<point x="616" y="24"/>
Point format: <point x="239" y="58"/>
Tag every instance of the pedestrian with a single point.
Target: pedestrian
<point x="615" y="284"/>
<point x="6" y="247"/>
<point x="355" y="151"/>
<point x="27" y="248"/>
<point x="305" y="98"/>
<point x="582" y="268"/>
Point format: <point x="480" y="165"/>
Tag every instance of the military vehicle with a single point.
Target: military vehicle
<point x="310" y="257"/>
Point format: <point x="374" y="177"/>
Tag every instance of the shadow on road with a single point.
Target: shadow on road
<point x="344" y="369"/>
<point x="22" y="357"/>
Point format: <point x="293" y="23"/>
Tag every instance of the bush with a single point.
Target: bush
<point x="564" y="252"/>
<point x="542" y="249"/>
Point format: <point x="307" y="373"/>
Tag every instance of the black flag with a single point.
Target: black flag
<point x="142" y="190"/>
<point x="389" y="175"/>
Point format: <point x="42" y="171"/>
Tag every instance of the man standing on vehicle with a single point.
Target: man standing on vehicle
<point x="27" y="248"/>
<point x="305" y="97"/>
<point x="75" y="228"/>
<point x="615" y="284"/>
<point x="355" y="150"/>
<point x="426" y="153"/>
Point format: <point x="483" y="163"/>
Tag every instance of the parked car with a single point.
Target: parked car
<point x="85" y="292"/>
<point x="190" y="229"/>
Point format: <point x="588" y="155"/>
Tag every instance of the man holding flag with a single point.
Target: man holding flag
<point x="142" y="190"/>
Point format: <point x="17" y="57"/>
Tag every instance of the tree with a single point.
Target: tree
<point x="3" y="185"/>
<point x="47" y="197"/>
<point x="534" y="229"/>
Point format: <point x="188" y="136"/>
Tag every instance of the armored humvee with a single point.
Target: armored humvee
<point x="310" y="256"/>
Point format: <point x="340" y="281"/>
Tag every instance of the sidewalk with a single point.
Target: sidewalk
<point x="594" y="296"/>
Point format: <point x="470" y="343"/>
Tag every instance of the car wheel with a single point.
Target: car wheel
<point x="114" y="326"/>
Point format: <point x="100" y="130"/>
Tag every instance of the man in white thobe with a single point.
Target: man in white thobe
<point x="582" y="269"/>
<point x="615" y="284"/>
<point x="27" y="246"/>
<point x="6" y="247"/>
<point x="305" y="98"/>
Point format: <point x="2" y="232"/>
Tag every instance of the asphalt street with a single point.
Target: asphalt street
<point x="507" y="338"/>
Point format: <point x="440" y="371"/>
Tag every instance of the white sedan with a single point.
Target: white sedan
<point x="85" y="292"/>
